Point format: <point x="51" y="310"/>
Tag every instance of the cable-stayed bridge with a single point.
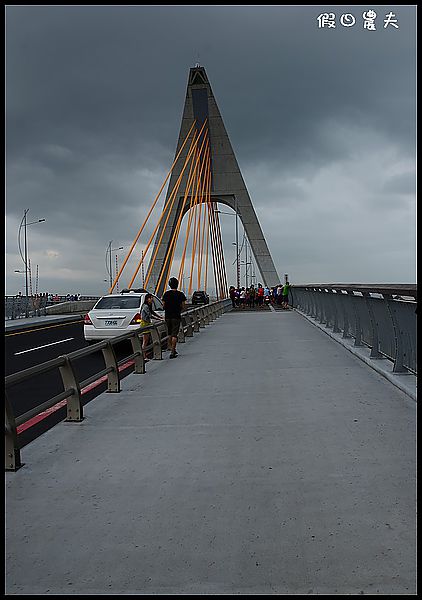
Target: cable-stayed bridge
<point x="276" y="455"/>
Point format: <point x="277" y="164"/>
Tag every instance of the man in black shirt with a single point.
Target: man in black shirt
<point x="174" y="304"/>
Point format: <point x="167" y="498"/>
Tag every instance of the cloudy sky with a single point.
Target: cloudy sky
<point x="322" y="121"/>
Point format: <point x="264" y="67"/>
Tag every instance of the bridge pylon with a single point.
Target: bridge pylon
<point x="227" y="184"/>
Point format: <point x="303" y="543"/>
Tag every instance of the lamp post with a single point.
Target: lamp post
<point x="110" y="269"/>
<point x="24" y="223"/>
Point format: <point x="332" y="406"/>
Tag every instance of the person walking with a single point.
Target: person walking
<point x="174" y="303"/>
<point x="147" y="313"/>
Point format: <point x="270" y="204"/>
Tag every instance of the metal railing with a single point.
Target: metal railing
<point x="381" y="317"/>
<point x="18" y="307"/>
<point x="192" y="321"/>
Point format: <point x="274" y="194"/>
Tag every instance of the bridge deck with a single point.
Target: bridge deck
<point x="265" y="459"/>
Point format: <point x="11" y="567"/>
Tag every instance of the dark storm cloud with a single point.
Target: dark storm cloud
<point x="95" y="94"/>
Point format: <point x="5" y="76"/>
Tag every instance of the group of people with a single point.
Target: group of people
<point x="260" y="296"/>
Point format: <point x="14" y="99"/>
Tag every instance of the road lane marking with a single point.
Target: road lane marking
<point x="45" y="346"/>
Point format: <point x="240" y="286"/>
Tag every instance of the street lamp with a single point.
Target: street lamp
<point x="109" y="251"/>
<point x="25" y="224"/>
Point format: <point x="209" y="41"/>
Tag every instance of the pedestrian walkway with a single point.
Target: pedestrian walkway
<point x="265" y="459"/>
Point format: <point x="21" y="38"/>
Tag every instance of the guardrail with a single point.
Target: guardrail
<point x="192" y="321"/>
<point x="377" y="316"/>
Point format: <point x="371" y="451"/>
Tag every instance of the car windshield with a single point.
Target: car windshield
<point x="118" y="302"/>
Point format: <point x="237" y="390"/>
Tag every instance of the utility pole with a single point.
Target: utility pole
<point x="117" y="270"/>
<point x="246" y="263"/>
<point x="109" y="267"/>
<point x="24" y="223"/>
<point x="237" y="250"/>
<point x="26" y="268"/>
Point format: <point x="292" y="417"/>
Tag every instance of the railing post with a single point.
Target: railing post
<point x="327" y="307"/>
<point x="157" y="352"/>
<point x="358" y="326"/>
<point x="314" y="308"/>
<point x="113" y="378"/>
<point x="346" y="324"/>
<point x="375" y="353"/>
<point x="201" y="316"/>
<point x="189" y="330"/>
<point x="398" y="366"/>
<point x="320" y="306"/>
<point x="75" y="411"/>
<point x="196" y="322"/>
<point x="139" y="360"/>
<point x="181" y="336"/>
<point x="12" y="450"/>
<point x="333" y="298"/>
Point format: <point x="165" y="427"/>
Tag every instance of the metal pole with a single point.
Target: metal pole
<point x="111" y="270"/>
<point x="237" y="253"/>
<point x="26" y="268"/>
<point x="246" y="263"/>
<point x="117" y="271"/>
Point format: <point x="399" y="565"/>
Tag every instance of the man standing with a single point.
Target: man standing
<point x="174" y="304"/>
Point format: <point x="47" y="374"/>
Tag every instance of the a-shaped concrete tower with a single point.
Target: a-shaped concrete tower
<point x="228" y="186"/>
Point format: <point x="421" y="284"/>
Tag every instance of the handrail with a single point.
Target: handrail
<point x="192" y="319"/>
<point x="380" y="316"/>
<point x="400" y="289"/>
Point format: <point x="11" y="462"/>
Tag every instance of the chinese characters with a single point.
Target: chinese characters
<point x="328" y="20"/>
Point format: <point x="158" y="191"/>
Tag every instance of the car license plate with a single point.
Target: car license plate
<point x="110" y="323"/>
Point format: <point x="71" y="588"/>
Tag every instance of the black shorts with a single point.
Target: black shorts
<point x="173" y="326"/>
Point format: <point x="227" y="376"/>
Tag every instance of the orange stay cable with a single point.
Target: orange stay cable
<point x="173" y="241"/>
<point x="223" y="262"/>
<point x="215" y="269"/>
<point x="205" y="180"/>
<point x="169" y="206"/>
<point x="192" y="199"/>
<point x="208" y="175"/>
<point x="220" y="266"/>
<point x="194" y="243"/>
<point x="221" y="254"/>
<point x="150" y="211"/>
<point x="207" y="242"/>
<point x="174" y="193"/>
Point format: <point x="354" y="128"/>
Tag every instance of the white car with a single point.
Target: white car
<point x="116" y="314"/>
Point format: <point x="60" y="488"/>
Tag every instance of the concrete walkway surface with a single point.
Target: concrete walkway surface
<point x="265" y="459"/>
